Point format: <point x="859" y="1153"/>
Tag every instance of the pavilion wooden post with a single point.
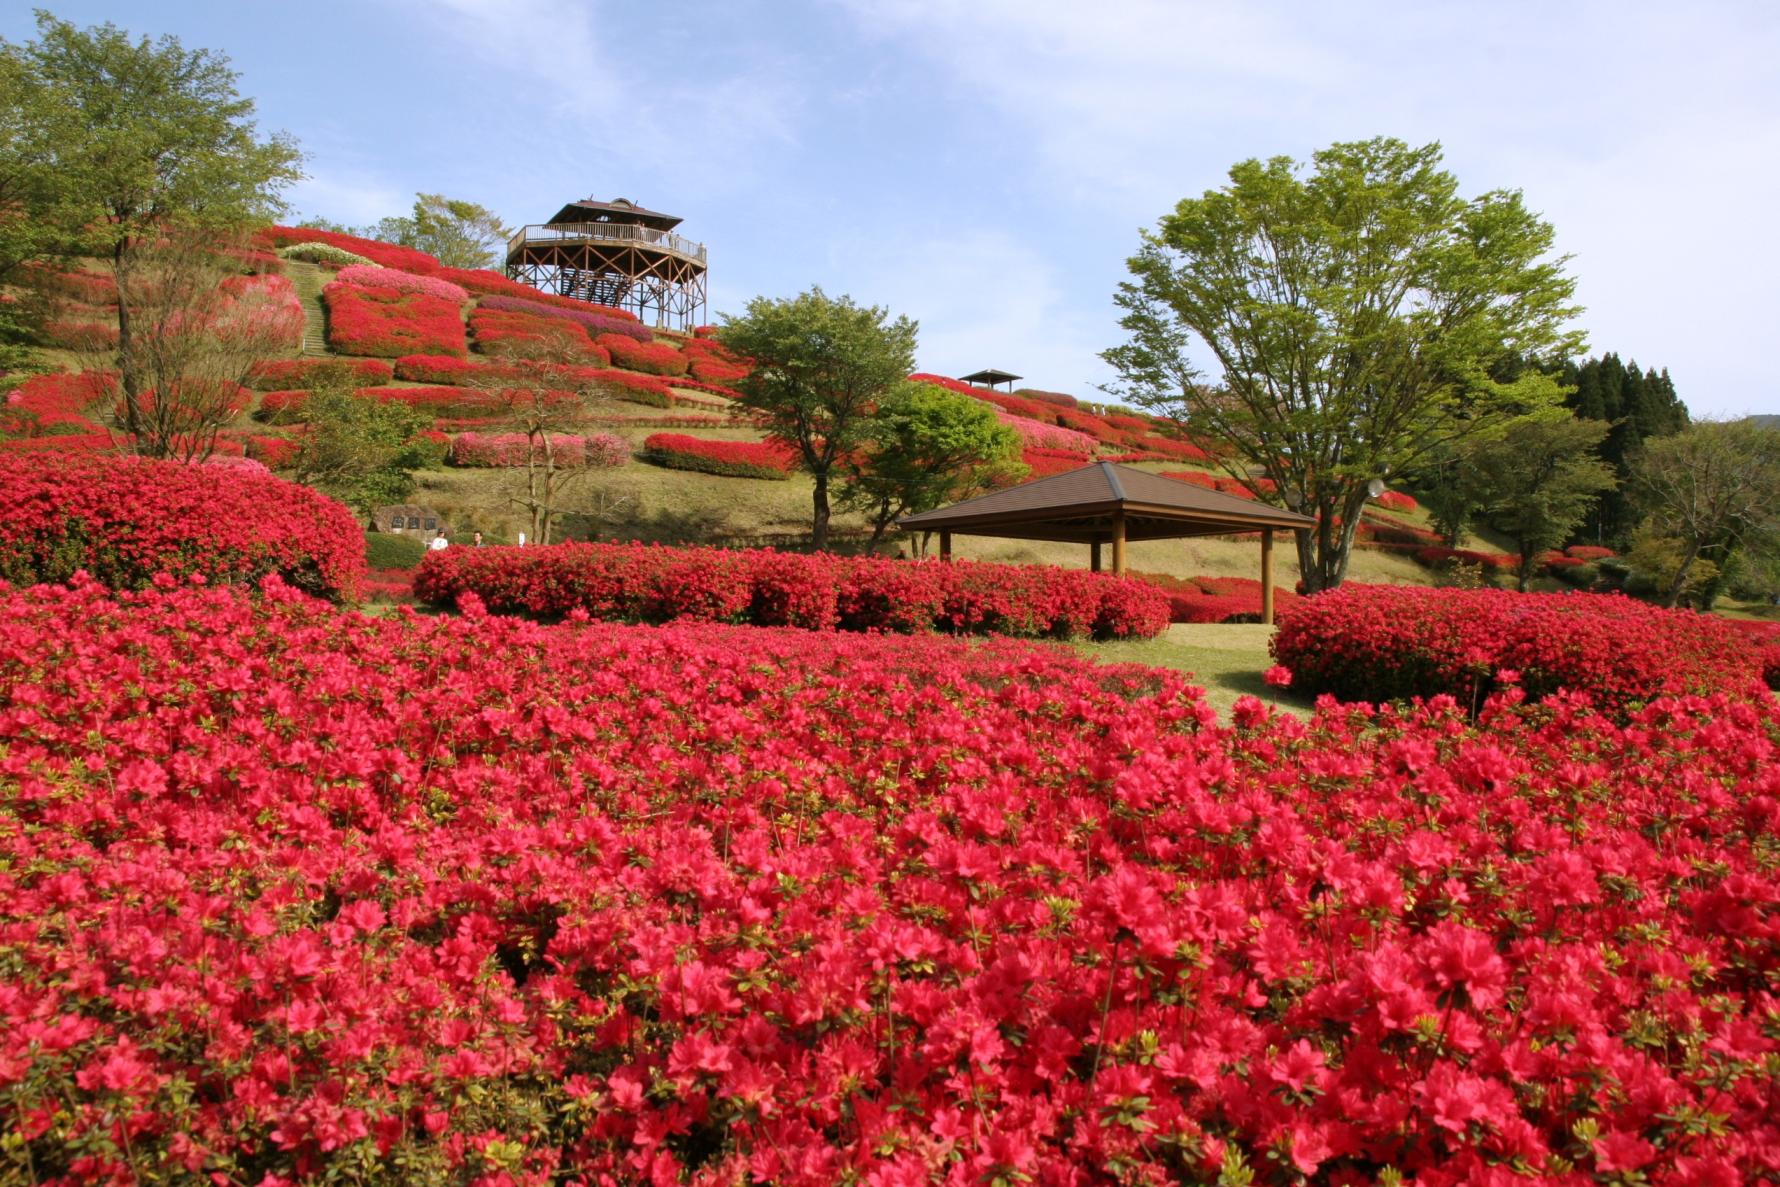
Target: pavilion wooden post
<point x="1094" y="556"/>
<point x="1119" y="543"/>
<point x="1267" y="576"/>
<point x="945" y="547"/>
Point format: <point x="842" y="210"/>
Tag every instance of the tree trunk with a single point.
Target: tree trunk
<point x="125" y="365"/>
<point x="819" y="526"/>
<point x="1673" y="595"/>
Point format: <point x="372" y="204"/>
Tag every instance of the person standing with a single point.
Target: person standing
<point x="439" y="542"/>
<point x="477" y="540"/>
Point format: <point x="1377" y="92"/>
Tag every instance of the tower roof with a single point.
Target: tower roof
<point x="618" y="210"/>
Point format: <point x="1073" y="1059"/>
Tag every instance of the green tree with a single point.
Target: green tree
<point x="128" y="139"/>
<point x="362" y="452"/>
<point x="1715" y="488"/>
<point x="821" y="367"/>
<point x="928" y="447"/>
<point x="461" y="234"/>
<point x="1638" y="405"/>
<point x="1352" y="317"/>
<point x="1539" y="479"/>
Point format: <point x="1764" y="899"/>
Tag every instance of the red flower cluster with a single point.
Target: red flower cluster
<point x="498" y="332"/>
<point x="389" y="322"/>
<point x="275" y="452"/>
<point x="1171" y="447"/>
<point x="1380" y="642"/>
<point x="516" y="449"/>
<point x="736" y="459"/>
<point x="1252" y="488"/>
<point x="126" y="519"/>
<point x="651" y="358"/>
<point x="1216" y="599"/>
<point x="1396" y="500"/>
<point x="291" y="892"/>
<point x="440" y="401"/>
<point x="1765" y="636"/>
<point x="54" y="404"/>
<point x="378" y="277"/>
<point x="592" y="319"/>
<point x="1438" y="554"/>
<point x="635" y="582"/>
<point x="1043" y="463"/>
<point x="1589" y="552"/>
<point x="279" y="374"/>
<point x="388" y="255"/>
<point x="1060" y="399"/>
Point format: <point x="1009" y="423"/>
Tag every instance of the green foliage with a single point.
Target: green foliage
<point x="928" y="447"/>
<point x="1638" y="405"/>
<point x="461" y="234"/>
<point x="1664" y="564"/>
<point x="321" y="253"/>
<point x="386" y="550"/>
<point x="1352" y="317"/>
<point x="1538" y="480"/>
<point x="1715" y="488"/>
<point x="363" y="452"/>
<point x="821" y="366"/>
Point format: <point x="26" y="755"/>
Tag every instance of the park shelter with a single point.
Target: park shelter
<point x="989" y="377"/>
<point x="1103" y="503"/>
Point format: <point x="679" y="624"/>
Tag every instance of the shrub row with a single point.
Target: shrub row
<point x="124" y="520"/>
<point x="591" y="319"/>
<point x="278" y="374"/>
<point x="1253" y="487"/>
<point x="1049" y="436"/>
<point x="1216" y="599"/>
<point x="1377" y="643"/>
<point x="517" y="449"/>
<point x="651" y="358"/>
<point x="321" y="253"/>
<point x="53" y="404"/>
<point x="499" y="333"/>
<point x="644" y="583"/>
<point x="377" y="277"/>
<point x="735" y="459"/>
<point x="389" y="323"/>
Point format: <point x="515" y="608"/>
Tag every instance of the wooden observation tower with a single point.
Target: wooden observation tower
<point x="614" y="253"/>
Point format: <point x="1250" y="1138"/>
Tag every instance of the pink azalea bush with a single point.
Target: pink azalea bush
<point x="126" y="520"/>
<point x="376" y="276"/>
<point x="648" y="583"/>
<point x="1378" y="642"/>
<point x="1049" y="436"/>
<point x="298" y="896"/>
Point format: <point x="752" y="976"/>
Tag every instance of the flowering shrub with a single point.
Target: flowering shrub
<point x="1060" y="399"/>
<point x="1043" y="463"/>
<point x="1380" y="642"/>
<point x="736" y="459"/>
<point x="1171" y="447"/>
<point x="53" y="404"/>
<point x="389" y="322"/>
<point x="1439" y="554"/>
<point x="1252" y="487"/>
<point x="292" y="893"/>
<point x="1396" y="500"/>
<point x="376" y="277"/>
<point x="516" y="449"/>
<point x="275" y="452"/>
<point x="1589" y="552"/>
<point x="281" y="374"/>
<point x="1044" y="436"/>
<point x="321" y="253"/>
<point x="507" y="333"/>
<point x="651" y="358"/>
<point x="88" y="288"/>
<point x="440" y="401"/>
<point x="263" y="306"/>
<point x="126" y="519"/>
<point x="653" y="584"/>
<point x="1216" y="599"/>
<point x="95" y="442"/>
<point x="387" y="255"/>
<point x="593" y="319"/>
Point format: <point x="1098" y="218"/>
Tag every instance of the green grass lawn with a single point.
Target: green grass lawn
<point x="1225" y="659"/>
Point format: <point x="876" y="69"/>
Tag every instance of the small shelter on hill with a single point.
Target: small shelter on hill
<point x="1104" y="503"/>
<point x="990" y="378"/>
<point x="408" y="519"/>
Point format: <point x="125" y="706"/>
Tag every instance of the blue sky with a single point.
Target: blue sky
<point x="984" y="166"/>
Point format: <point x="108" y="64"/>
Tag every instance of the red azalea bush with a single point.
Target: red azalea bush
<point x="53" y="404"/>
<point x="1172" y="448"/>
<point x="126" y="519"/>
<point x="1049" y="436"/>
<point x="1765" y="637"/>
<point x="284" y="374"/>
<point x="1253" y="487"/>
<point x="440" y="401"/>
<point x="1043" y="463"/>
<point x="521" y="333"/>
<point x="515" y="449"/>
<point x="735" y="459"/>
<point x="1382" y="642"/>
<point x="638" y="582"/>
<point x="1060" y="399"/>
<point x="1589" y="552"/>
<point x="389" y="323"/>
<point x="651" y="358"/>
<point x="1216" y="599"/>
<point x="1396" y="500"/>
<point x="1439" y="554"/>
<point x="377" y="277"/>
<point x="388" y="255"/>
<point x="275" y="452"/>
<point x="593" y="320"/>
<point x="292" y="893"/>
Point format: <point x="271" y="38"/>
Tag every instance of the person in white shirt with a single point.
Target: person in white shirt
<point x="439" y="542"/>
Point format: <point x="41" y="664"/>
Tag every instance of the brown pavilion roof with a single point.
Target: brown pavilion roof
<point x="1080" y="505"/>
<point x="990" y="376"/>
<point x="618" y="210"/>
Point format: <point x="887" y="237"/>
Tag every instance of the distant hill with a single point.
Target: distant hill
<point x="1768" y="420"/>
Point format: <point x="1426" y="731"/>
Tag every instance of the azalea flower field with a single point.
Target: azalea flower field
<point x="297" y="895"/>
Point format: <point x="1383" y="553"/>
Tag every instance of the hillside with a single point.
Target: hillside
<point x="434" y="337"/>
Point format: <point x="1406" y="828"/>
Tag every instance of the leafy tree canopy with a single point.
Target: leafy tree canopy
<point x="821" y="366"/>
<point x="1715" y="488"/>
<point x="1349" y="316"/>
<point x="1539" y="479"/>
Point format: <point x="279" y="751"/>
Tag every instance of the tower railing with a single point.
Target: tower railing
<point x="604" y="233"/>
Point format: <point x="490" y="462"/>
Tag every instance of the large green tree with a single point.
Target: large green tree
<point x="1538" y="481"/>
<point x="821" y="366"/>
<point x="126" y="139"/>
<point x="363" y="452"/>
<point x="1714" y="487"/>
<point x="1637" y="404"/>
<point x="927" y="447"/>
<point x="459" y="233"/>
<point x="1348" y="316"/>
